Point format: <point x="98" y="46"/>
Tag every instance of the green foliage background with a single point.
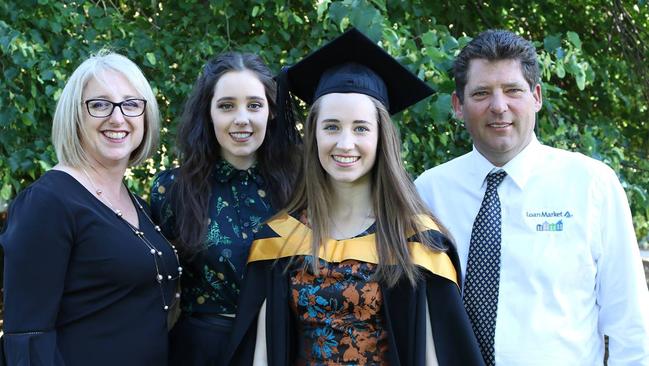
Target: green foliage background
<point x="593" y="54"/>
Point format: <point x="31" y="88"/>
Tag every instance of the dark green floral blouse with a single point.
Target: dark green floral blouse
<point x="238" y="205"/>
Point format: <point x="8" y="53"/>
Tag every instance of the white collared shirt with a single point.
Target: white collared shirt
<point x="570" y="264"/>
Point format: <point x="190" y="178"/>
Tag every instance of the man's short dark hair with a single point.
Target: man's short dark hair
<point x="495" y="45"/>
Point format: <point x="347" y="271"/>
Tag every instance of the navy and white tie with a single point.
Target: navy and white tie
<point x="483" y="269"/>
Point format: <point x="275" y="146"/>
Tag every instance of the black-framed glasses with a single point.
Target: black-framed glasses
<point x="103" y="108"/>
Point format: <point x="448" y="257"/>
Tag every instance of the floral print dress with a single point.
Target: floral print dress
<point x="238" y="205"/>
<point x="339" y="313"/>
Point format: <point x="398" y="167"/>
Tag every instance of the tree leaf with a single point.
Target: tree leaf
<point x="574" y="39"/>
<point x="561" y="72"/>
<point x="150" y="56"/>
<point x="551" y="43"/>
<point x="5" y="193"/>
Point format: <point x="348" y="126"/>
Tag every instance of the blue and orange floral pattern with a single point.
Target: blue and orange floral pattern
<point x="339" y="313"/>
<point x="238" y="206"/>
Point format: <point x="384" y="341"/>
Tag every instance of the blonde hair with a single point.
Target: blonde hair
<point x="67" y="129"/>
<point x="395" y="200"/>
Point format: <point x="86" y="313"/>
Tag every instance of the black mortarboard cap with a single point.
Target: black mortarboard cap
<point x="352" y="63"/>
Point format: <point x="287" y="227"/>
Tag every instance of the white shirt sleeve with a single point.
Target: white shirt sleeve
<point x="622" y="294"/>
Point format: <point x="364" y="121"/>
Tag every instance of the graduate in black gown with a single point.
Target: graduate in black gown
<point x="355" y="271"/>
<point x="88" y="278"/>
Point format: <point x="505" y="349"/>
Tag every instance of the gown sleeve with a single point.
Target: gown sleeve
<point x="37" y="243"/>
<point x="265" y="286"/>
<point x="427" y="321"/>
<point x="455" y="342"/>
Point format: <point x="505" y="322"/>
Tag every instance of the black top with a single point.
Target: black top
<point x="79" y="287"/>
<point x="238" y="204"/>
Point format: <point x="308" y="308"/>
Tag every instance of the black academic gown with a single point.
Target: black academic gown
<point x="404" y="309"/>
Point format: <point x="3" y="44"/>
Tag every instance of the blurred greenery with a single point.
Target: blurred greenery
<point x="593" y="55"/>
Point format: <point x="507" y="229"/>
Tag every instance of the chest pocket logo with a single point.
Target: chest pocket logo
<point x="551" y="221"/>
<point x="546" y="226"/>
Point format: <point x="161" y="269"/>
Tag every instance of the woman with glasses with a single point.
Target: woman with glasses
<point x="238" y="165"/>
<point x="89" y="279"/>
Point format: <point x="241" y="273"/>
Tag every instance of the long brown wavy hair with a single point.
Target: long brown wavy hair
<point x="278" y="157"/>
<point x="395" y="200"/>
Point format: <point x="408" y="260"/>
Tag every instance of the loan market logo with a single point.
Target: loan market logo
<point x="549" y="223"/>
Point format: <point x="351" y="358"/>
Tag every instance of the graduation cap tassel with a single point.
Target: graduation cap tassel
<point x="285" y="114"/>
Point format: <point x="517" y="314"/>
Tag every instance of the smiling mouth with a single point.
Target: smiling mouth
<point x="345" y="159"/>
<point x="240" y="136"/>
<point x="115" y="135"/>
<point x="500" y="124"/>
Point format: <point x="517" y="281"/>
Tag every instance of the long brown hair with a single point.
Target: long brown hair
<point x="395" y="200"/>
<point x="278" y="156"/>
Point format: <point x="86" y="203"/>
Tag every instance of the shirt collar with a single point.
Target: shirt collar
<point x="480" y="167"/>
<point x="226" y="172"/>
<point x="521" y="167"/>
<point x="518" y="169"/>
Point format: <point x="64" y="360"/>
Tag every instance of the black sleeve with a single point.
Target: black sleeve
<point x="264" y="280"/>
<point x="241" y="349"/>
<point x="455" y="342"/>
<point x="37" y="244"/>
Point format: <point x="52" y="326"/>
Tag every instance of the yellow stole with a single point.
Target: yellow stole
<point x="295" y="239"/>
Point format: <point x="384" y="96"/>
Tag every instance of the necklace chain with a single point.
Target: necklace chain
<point x="155" y="253"/>
<point x="362" y="225"/>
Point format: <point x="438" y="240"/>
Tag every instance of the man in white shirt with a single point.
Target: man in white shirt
<point x="567" y="265"/>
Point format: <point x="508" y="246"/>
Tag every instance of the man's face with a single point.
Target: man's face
<point x="499" y="108"/>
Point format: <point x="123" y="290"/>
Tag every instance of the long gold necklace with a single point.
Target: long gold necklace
<point x="155" y="253"/>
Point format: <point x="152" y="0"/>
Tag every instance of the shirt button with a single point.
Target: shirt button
<point x="246" y="224"/>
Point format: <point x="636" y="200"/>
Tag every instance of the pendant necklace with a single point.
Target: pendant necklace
<point x="155" y="253"/>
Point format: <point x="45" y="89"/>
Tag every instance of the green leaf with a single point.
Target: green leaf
<point x="574" y="39"/>
<point x="442" y="108"/>
<point x="581" y="80"/>
<point x="561" y="72"/>
<point x="449" y="43"/>
<point x="337" y="12"/>
<point x="56" y="26"/>
<point x="429" y="39"/>
<point x="443" y="138"/>
<point x="573" y="65"/>
<point x="95" y="11"/>
<point x="322" y="7"/>
<point x="5" y="193"/>
<point x="551" y="43"/>
<point x="150" y="56"/>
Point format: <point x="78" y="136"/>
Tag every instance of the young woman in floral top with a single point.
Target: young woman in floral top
<point x="238" y="165"/>
<point x="355" y="271"/>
